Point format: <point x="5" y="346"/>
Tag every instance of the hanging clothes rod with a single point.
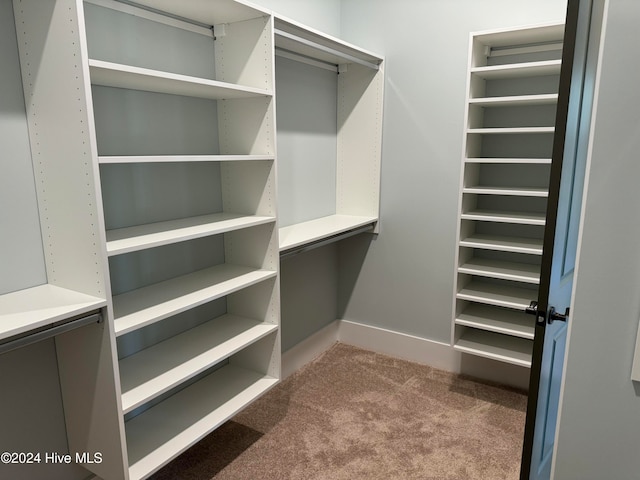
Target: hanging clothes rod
<point x="345" y="56"/>
<point x="326" y="241"/>
<point x="49" y="331"/>
<point x="297" y="57"/>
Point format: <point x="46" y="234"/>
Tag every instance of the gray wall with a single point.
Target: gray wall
<point x="599" y="427"/>
<point x="405" y="280"/>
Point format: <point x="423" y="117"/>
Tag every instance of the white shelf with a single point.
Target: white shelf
<point x="109" y="74"/>
<point x="515" y="101"/>
<point x="516" y="351"/>
<point x="520" y="70"/>
<point x="503" y="244"/>
<point x="521" y="218"/>
<point x="181" y="158"/>
<point x="510" y="130"/>
<point x="499" y="320"/>
<point x="144" y="306"/>
<point x="131" y="239"/>
<point x="41" y="306"/>
<point x="516" y="161"/>
<point x="503" y="270"/>
<point x="513" y="191"/>
<point x="496" y="294"/>
<point x="161" y="433"/>
<point x="305" y="233"/>
<point x="157" y="369"/>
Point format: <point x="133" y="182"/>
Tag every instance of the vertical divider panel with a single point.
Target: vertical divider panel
<point x="360" y="94"/>
<point x="55" y="74"/>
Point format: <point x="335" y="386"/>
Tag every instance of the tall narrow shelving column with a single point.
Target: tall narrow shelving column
<point x="508" y="138"/>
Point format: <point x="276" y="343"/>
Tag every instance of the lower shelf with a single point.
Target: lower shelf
<point x="499" y="320"/>
<point x="499" y="295"/>
<point x="160" y="434"/>
<point x="503" y="348"/>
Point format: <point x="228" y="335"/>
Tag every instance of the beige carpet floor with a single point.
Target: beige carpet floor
<point x="354" y="414"/>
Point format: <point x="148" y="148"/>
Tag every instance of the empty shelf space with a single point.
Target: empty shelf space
<point x="499" y="295"/>
<point x="510" y="130"/>
<point x="157" y="369"/>
<point x="164" y="431"/>
<point x="522" y="218"/>
<point x="517" y="272"/>
<point x="514" y="161"/>
<point x="515" y="101"/>
<point x="146" y="305"/>
<point x="41" y="306"/>
<point x="124" y="240"/>
<point x="305" y="233"/>
<point x="516" y="351"/>
<point x="520" y="70"/>
<point x="499" y="320"/>
<point x="503" y="244"/>
<point x="180" y="158"/>
<point x="511" y="191"/>
<point x="116" y="75"/>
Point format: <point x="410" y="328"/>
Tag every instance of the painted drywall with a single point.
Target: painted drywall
<point x="323" y="15"/>
<point x="599" y="424"/>
<point x="404" y="281"/>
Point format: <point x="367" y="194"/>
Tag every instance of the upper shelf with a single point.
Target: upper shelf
<point x="294" y="37"/>
<point x="110" y="74"/>
<point x="305" y="233"/>
<point x="41" y="306"/>
<point x="111" y="159"/>
<point x="515" y="101"/>
<point x="511" y="130"/>
<point x="520" y="70"/>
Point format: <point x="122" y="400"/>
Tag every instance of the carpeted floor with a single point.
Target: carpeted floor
<point x="354" y="414"/>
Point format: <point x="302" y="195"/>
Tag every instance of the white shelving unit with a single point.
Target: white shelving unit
<point x="510" y="117"/>
<point x="348" y="164"/>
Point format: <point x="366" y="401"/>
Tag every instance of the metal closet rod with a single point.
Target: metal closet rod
<point x="322" y="48"/>
<point x="49" y="331"/>
<point x="297" y="57"/>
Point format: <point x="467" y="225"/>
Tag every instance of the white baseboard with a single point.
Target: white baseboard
<point x="310" y="348"/>
<point x="401" y="345"/>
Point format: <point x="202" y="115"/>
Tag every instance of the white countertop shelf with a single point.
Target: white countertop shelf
<point x="40" y="306"/>
<point x="161" y="433"/>
<point x="139" y="237"/>
<point x="146" y="305"/>
<point x="499" y="320"/>
<point x="157" y="369"/>
<point x="502" y="270"/>
<point x="503" y="244"/>
<point x="108" y="74"/>
<point x="305" y="233"/>
<point x="499" y="295"/>
<point x="517" y="351"/>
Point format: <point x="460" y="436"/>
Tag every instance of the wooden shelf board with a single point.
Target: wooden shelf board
<point x="510" y="130"/>
<point x="305" y="233"/>
<point x="181" y="158"/>
<point x="515" y="101"/>
<point x="499" y="320"/>
<point x="499" y="269"/>
<point x="534" y="161"/>
<point x="161" y="433"/>
<point x="146" y="305"/>
<point x="41" y="306"/>
<point x="499" y="295"/>
<point x="510" y="191"/>
<point x="157" y="369"/>
<point x="116" y="75"/>
<point x="529" y="69"/>
<point x="503" y="244"/>
<point x="521" y="218"/>
<point x="131" y="239"/>
<point x="517" y="351"/>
